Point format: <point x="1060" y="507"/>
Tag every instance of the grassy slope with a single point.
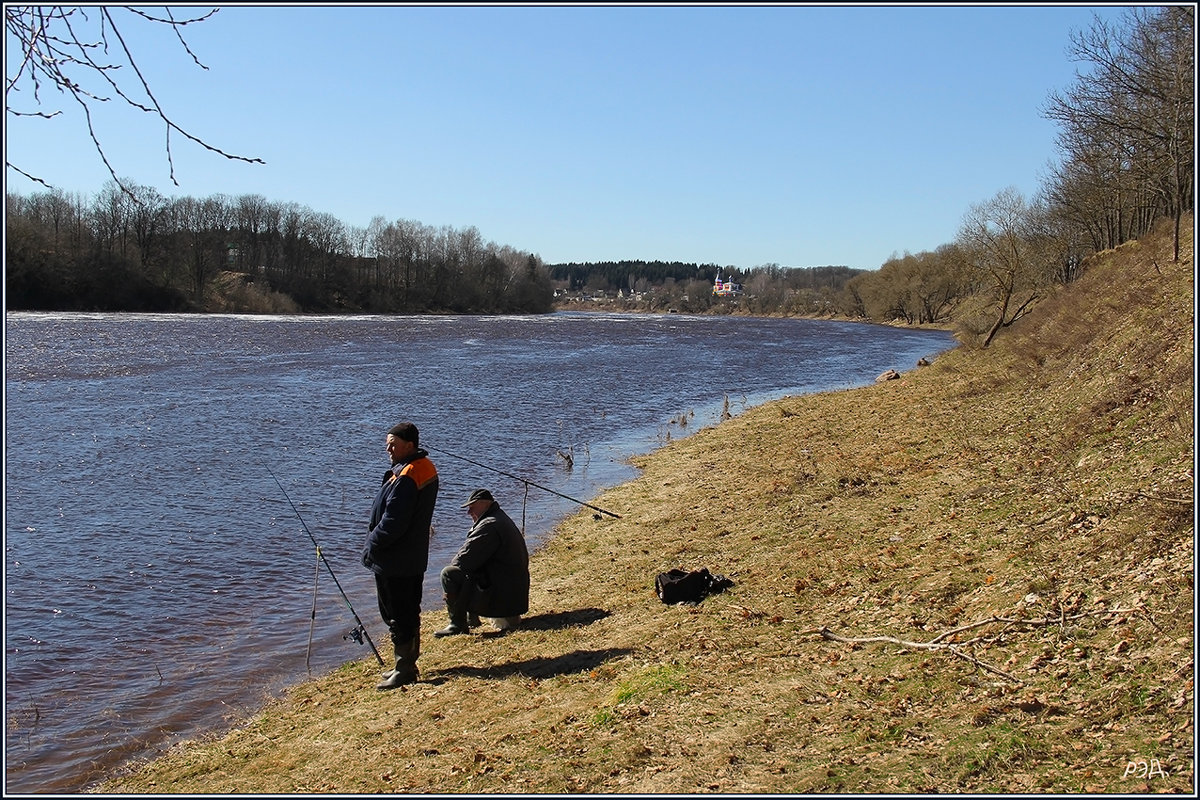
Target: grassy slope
<point x="1046" y="479"/>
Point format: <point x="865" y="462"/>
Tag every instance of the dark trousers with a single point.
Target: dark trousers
<point x="462" y="593"/>
<point x="400" y="605"/>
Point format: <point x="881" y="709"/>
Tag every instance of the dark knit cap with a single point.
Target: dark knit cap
<point x="406" y="431"/>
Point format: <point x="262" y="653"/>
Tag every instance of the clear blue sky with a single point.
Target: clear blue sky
<point x="735" y="135"/>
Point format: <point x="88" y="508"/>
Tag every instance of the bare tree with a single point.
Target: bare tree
<point x="994" y="240"/>
<point x="203" y="226"/>
<point x="111" y="219"/>
<point x="1127" y="123"/>
<point x="146" y="221"/>
<point x="71" y="49"/>
<point x="251" y="217"/>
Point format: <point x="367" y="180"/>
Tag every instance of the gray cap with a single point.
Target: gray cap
<point x="478" y="494"/>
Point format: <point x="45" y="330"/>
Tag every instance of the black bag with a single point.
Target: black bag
<point x="681" y="586"/>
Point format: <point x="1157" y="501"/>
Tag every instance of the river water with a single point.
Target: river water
<point x="157" y="582"/>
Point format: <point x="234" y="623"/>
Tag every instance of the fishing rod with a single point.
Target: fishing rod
<point x="525" y="481"/>
<point x="359" y="633"/>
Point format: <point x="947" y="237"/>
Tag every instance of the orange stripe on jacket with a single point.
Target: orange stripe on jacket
<point x="421" y="471"/>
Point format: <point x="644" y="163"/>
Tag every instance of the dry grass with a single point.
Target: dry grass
<point x="1046" y="481"/>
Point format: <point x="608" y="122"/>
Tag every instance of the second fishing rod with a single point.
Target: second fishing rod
<point x="525" y="481"/>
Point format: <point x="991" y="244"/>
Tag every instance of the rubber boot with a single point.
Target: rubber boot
<point x="458" y="618"/>
<point x="396" y="646"/>
<point x="406" y="665"/>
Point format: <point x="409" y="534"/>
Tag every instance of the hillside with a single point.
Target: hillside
<point x="1011" y="529"/>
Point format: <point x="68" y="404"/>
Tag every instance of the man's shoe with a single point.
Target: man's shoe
<point x="450" y="630"/>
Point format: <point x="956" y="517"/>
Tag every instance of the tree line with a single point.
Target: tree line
<point x="130" y="248"/>
<point x="1125" y="159"/>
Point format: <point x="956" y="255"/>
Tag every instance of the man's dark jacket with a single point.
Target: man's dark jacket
<point x="402" y="518"/>
<point x="495" y="557"/>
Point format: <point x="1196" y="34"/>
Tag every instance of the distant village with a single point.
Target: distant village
<point x="722" y="287"/>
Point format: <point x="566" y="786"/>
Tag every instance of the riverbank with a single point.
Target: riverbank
<point x="1017" y="522"/>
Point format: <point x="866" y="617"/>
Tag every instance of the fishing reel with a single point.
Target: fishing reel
<point x="354" y="634"/>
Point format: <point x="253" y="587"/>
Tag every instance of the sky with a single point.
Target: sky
<point x="735" y="135"/>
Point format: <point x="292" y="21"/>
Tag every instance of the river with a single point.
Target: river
<point x="158" y="585"/>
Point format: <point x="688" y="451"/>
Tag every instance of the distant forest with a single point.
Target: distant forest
<point x="131" y="249"/>
<point x="1126" y="163"/>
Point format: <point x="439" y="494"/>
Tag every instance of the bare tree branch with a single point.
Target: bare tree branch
<point x="56" y="54"/>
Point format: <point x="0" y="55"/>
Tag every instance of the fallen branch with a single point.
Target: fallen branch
<point x="952" y="648"/>
<point x="1061" y="619"/>
<point x="938" y="642"/>
<point x="1184" y="501"/>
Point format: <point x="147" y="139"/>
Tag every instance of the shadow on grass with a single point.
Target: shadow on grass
<point x="542" y="667"/>
<point x="562" y="619"/>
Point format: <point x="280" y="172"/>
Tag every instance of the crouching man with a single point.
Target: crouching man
<point x="489" y="576"/>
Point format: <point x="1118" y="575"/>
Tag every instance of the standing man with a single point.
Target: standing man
<point x="397" y="548"/>
<point x="490" y="574"/>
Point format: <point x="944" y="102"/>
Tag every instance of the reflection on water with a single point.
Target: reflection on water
<point x="158" y="583"/>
